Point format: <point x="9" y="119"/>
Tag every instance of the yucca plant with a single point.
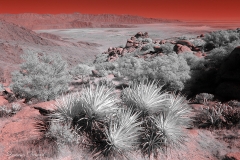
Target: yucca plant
<point x="166" y="130"/>
<point x="121" y="135"/>
<point x="100" y="101"/>
<point x="68" y="107"/>
<point x="147" y="98"/>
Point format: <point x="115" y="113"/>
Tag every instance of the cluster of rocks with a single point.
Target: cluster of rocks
<point x="151" y="48"/>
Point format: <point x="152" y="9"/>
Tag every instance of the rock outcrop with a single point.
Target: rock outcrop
<point x="229" y="76"/>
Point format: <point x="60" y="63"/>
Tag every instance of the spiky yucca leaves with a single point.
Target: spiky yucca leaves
<point x="151" y="138"/>
<point x="68" y="107"/>
<point x="147" y="98"/>
<point x="122" y="135"/>
<point x="98" y="104"/>
<point x="100" y="101"/>
<point x="167" y="129"/>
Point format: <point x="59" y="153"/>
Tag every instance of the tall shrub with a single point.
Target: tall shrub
<point x="41" y="76"/>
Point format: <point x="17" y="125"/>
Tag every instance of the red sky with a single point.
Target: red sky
<point x="170" y="9"/>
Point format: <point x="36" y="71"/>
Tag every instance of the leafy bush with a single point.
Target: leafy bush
<point x="81" y="71"/>
<point x="41" y="76"/>
<point x="222" y="37"/>
<point x="1" y="88"/>
<point x="63" y="134"/>
<point x="203" y="97"/>
<point x="167" y="48"/>
<point x="198" y="42"/>
<point x="170" y="70"/>
<point x="193" y="61"/>
<point x="100" y="58"/>
<point x="6" y="111"/>
<point x="218" y="116"/>
<point x="216" y="57"/>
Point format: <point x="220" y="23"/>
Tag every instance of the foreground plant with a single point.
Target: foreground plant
<point x="121" y="135"/>
<point x="146" y="98"/>
<point x="167" y="129"/>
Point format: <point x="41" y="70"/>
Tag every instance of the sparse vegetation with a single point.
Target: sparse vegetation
<point x="9" y="110"/>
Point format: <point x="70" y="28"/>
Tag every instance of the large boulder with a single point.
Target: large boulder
<point x="185" y="43"/>
<point x="228" y="78"/>
<point x="178" y="48"/>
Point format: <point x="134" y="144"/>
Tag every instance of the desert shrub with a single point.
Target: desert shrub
<point x="41" y="76"/>
<point x="193" y="61"/>
<point x="129" y="66"/>
<point x="216" y="57"/>
<point x="1" y="88"/>
<point x="218" y="116"/>
<point x="146" y="48"/>
<point x="234" y="103"/>
<point x="106" y="82"/>
<point x="108" y="66"/>
<point x="63" y="134"/>
<point x="6" y="111"/>
<point x="198" y="42"/>
<point x="147" y="40"/>
<point x="81" y="70"/>
<point x="170" y="70"/>
<point x="203" y="98"/>
<point x="100" y="58"/>
<point x="167" y="48"/>
<point x="222" y="37"/>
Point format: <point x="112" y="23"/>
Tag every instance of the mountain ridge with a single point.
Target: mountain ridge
<point x="35" y="21"/>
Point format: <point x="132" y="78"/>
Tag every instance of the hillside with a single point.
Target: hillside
<point x="76" y="20"/>
<point x="15" y="40"/>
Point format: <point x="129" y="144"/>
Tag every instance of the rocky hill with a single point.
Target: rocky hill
<point x="49" y="21"/>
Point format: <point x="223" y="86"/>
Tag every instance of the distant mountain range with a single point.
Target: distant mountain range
<point x="76" y="20"/>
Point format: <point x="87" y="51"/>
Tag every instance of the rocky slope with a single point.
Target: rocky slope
<point x="15" y="40"/>
<point x="49" y="21"/>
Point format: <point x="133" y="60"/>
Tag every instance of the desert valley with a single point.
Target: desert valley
<point x="79" y="86"/>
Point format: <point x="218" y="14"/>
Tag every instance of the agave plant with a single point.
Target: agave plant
<point x="147" y="98"/>
<point x="122" y="134"/>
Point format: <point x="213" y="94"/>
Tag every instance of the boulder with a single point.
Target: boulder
<point x="162" y="42"/>
<point x="129" y="43"/>
<point x="228" y="78"/>
<point x="201" y="35"/>
<point x="139" y="34"/>
<point x="157" y="49"/>
<point x="145" y="35"/>
<point x="178" y="48"/>
<point x="196" y="48"/>
<point x="185" y="43"/>
<point x="198" y="54"/>
<point x="96" y="73"/>
<point x="233" y="156"/>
